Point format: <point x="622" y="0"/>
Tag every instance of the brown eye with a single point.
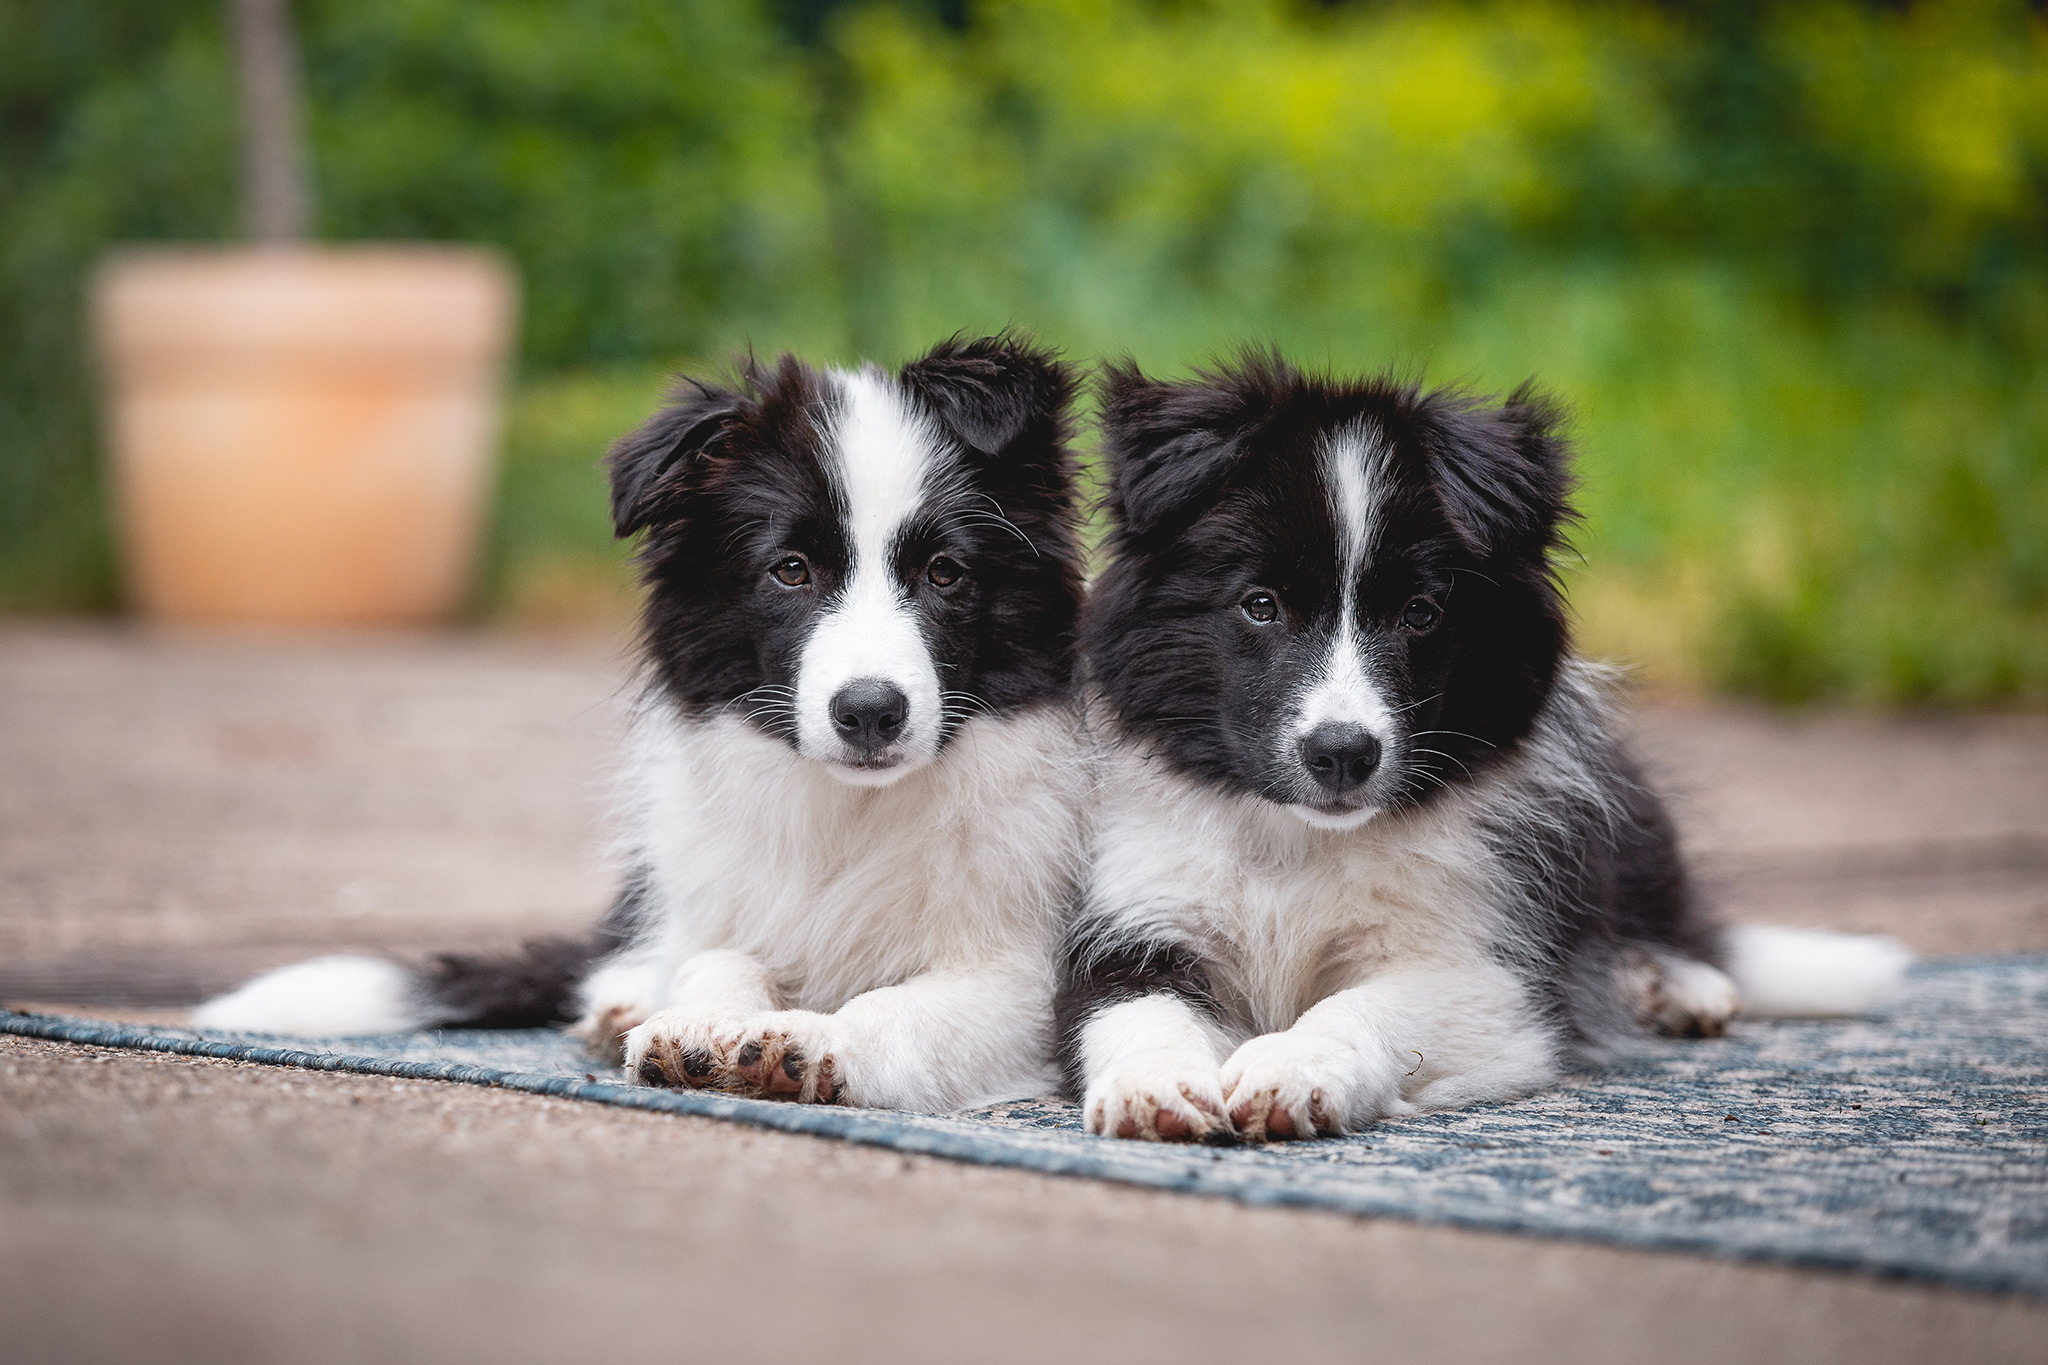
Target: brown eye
<point x="1420" y="616"/>
<point x="944" y="571"/>
<point x="1262" y="607"/>
<point x="793" y="572"/>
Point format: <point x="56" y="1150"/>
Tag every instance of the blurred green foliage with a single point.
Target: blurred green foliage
<point x="1788" y="261"/>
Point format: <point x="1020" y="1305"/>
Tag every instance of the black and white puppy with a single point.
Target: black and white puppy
<point x="854" y="787"/>
<point x="1367" y="843"/>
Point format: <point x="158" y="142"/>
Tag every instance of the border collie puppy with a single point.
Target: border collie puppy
<point x="1367" y="843"/>
<point x="854" y="782"/>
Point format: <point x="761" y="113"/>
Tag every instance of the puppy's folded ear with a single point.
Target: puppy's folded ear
<point x="652" y="466"/>
<point x="1504" y="474"/>
<point x="1171" y="446"/>
<point x="990" y="390"/>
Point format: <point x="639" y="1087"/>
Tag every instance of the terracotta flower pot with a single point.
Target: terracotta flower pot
<point x="302" y="435"/>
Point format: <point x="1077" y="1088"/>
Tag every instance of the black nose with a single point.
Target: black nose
<point x="869" y="712"/>
<point x="1340" y="757"/>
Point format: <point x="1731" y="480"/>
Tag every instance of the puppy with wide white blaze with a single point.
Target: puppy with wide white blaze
<point x="1367" y="844"/>
<point x="854" y="780"/>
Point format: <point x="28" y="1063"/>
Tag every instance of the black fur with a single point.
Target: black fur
<point x="1102" y="969"/>
<point x="1598" y="884"/>
<point x="532" y="988"/>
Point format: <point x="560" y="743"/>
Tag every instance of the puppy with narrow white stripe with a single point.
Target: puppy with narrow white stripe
<point x="1367" y="843"/>
<point x="854" y="786"/>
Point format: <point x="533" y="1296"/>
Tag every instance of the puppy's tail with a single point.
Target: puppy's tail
<point x="1805" y="973"/>
<point x="348" y="996"/>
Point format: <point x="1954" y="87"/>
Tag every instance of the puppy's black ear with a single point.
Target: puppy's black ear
<point x="1505" y="474"/>
<point x="1171" y="446"/>
<point x="989" y="390"/>
<point x="654" y="464"/>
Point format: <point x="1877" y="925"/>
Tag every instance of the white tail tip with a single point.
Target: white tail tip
<point x="327" y="997"/>
<point x="1807" y="973"/>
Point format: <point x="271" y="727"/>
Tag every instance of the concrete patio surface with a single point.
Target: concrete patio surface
<point x="179" y="810"/>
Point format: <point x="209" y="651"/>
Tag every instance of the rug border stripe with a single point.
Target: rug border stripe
<point x="876" y="1128"/>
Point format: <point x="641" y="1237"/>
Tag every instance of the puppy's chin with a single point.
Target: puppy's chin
<point x="1324" y="818"/>
<point x="861" y="773"/>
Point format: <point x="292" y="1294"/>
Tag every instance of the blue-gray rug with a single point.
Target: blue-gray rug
<point x="1911" y="1145"/>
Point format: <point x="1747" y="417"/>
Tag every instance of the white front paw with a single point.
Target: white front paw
<point x="604" y="1026"/>
<point x="683" y="1048"/>
<point x="1285" y="1085"/>
<point x="1157" y="1097"/>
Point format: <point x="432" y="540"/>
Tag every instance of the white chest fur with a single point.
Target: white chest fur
<point x="836" y="889"/>
<point x="1286" y="913"/>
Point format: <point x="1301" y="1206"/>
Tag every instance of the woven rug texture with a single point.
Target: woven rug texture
<point x="1915" y="1144"/>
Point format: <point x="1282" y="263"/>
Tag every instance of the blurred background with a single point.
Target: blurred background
<point x="1787" y="262"/>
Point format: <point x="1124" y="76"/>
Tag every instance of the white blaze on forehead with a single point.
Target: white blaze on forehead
<point x="1355" y="476"/>
<point x="882" y="456"/>
<point x="1354" y="469"/>
<point x="881" y="453"/>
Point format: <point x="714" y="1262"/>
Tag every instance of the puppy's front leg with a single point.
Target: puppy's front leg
<point x="1139" y="1037"/>
<point x="621" y="993"/>
<point x="1428" y="1038"/>
<point x="950" y="1039"/>
<point x="696" y="1041"/>
<point x="1149" y="1068"/>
